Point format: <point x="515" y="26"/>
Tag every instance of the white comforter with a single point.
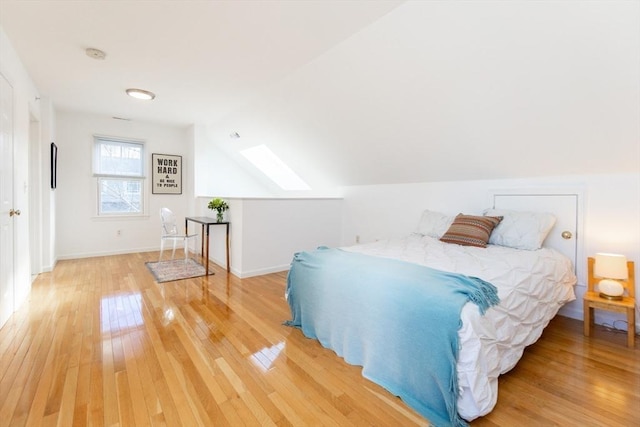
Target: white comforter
<point x="532" y="286"/>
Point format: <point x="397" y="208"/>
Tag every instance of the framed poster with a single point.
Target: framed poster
<point x="166" y="174"/>
<point x="54" y="166"/>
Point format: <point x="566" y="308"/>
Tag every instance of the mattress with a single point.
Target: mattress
<point x="532" y="286"/>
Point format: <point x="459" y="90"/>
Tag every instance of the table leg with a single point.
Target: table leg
<point x="228" y="263"/>
<point x="587" y="315"/>
<point x="631" y="327"/>
<point x="207" y="261"/>
<point x="202" y="240"/>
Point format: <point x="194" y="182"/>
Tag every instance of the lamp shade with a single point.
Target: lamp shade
<point x="611" y="266"/>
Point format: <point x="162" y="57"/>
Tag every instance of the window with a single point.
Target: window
<point x="119" y="167"/>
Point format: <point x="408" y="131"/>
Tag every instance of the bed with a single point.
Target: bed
<point x="381" y="306"/>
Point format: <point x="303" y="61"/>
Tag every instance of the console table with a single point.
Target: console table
<point x="206" y="222"/>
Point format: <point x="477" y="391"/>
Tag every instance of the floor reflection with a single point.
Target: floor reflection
<point x="264" y="358"/>
<point x="168" y="309"/>
<point x="121" y="312"/>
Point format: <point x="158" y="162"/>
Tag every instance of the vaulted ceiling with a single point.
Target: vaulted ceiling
<point x="359" y="92"/>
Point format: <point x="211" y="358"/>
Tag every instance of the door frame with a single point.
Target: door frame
<point x="7" y="259"/>
<point x="36" y="172"/>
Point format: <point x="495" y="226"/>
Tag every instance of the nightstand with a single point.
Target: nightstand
<point x="627" y="304"/>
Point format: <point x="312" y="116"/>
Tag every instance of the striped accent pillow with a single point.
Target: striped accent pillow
<point x="471" y="230"/>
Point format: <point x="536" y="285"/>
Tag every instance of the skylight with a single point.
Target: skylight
<point x="274" y="168"/>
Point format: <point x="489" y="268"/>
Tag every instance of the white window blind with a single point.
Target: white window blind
<point x="118" y="166"/>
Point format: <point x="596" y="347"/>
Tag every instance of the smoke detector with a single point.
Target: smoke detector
<point x="95" y="53"/>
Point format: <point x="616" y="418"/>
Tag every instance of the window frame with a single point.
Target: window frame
<point x="101" y="176"/>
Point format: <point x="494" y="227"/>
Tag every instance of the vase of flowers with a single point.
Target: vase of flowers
<point x="220" y="206"/>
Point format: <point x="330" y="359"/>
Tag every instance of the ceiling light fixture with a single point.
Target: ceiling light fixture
<point x="141" y="94"/>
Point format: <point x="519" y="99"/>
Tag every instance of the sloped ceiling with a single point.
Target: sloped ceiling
<point x="358" y="92"/>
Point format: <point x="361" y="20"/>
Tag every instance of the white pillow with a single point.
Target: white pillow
<point x="434" y="224"/>
<point x="521" y="230"/>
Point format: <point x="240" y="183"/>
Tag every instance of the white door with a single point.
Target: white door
<point x="7" y="294"/>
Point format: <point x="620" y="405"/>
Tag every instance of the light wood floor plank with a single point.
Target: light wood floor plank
<point x="100" y="343"/>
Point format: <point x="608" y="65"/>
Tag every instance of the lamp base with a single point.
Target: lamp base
<point x="611" y="297"/>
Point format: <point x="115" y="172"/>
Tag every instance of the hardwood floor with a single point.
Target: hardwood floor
<point x="101" y="343"/>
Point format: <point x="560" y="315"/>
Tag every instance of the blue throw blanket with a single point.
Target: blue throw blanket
<point x="397" y="320"/>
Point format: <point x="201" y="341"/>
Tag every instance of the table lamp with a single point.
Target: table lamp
<point x="610" y="267"/>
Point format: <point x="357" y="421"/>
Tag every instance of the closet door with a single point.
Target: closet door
<point x="564" y="205"/>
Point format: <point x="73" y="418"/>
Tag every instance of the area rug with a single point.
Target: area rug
<point x="176" y="269"/>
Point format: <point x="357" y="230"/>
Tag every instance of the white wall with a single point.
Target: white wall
<point x="48" y="203"/>
<point x="218" y="173"/>
<point x="80" y="232"/>
<point x="459" y="90"/>
<point x="265" y="233"/>
<point x="611" y="213"/>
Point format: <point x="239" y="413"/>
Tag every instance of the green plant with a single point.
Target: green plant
<point x="218" y="205"/>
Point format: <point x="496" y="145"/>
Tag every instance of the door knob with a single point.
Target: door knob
<point x="16" y="212"/>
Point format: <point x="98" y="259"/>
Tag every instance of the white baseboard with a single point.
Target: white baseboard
<point x="107" y="253"/>
<point x="571" y="312"/>
<point x="262" y="271"/>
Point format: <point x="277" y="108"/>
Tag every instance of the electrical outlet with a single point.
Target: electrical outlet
<point x="357" y="239"/>
<point x="118" y="233"/>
